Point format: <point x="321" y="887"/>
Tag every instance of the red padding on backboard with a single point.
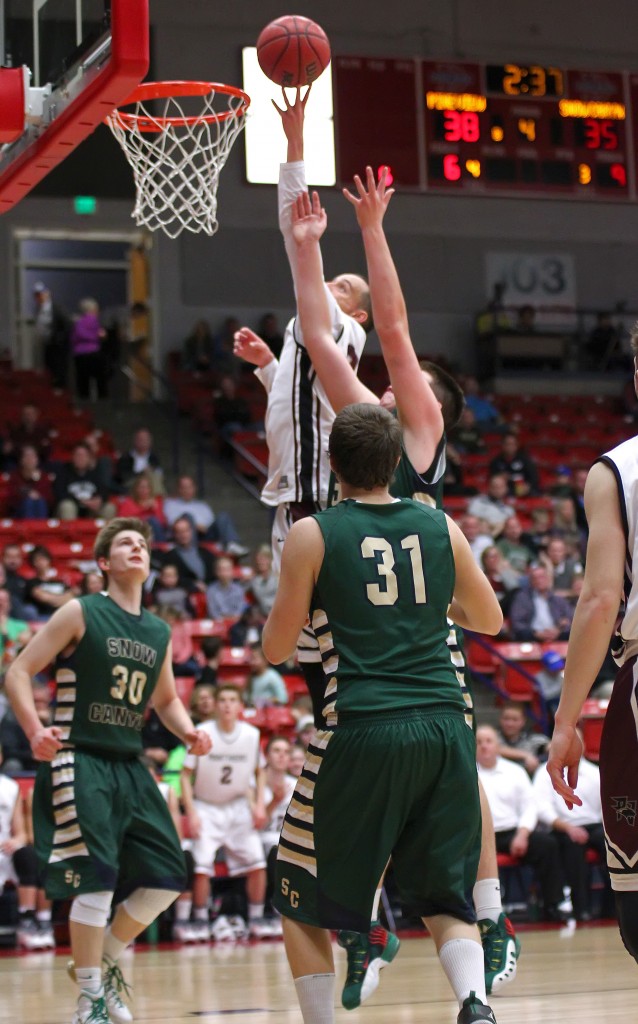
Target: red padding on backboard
<point x="121" y="74"/>
<point x="11" y="104"/>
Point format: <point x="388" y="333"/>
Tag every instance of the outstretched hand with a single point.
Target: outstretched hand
<point x="373" y="198"/>
<point x="565" y="751"/>
<point x="249" y="346"/>
<point x="309" y="219"/>
<point x="292" y="115"/>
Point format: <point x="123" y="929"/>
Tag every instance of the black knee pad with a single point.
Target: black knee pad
<point x="25" y="863"/>
<point x="627" y="910"/>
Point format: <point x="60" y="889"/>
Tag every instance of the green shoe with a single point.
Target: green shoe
<point x="367" y="955"/>
<point x="474" y="1011"/>
<point x="114" y="985"/>
<point x="91" y="1010"/>
<point x="501" y="950"/>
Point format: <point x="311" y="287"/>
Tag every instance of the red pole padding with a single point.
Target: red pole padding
<point x="11" y="104"/>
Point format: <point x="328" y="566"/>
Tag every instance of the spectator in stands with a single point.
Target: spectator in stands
<point x="30" y="489"/>
<point x="157" y="740"/>
<point x="526" y="320"/>
<point x="519" y="469"/>
<point x="297" y="759"/>
<point x="278" y="789"/>
<point x="305" y="731"/>
<point x="92" y="582"/>
<point x="15" y="581"/>
<point x="453" y="477"/>
<point x="563" y="567"/>
<point x="183" y="652"/>
<point x="476" y="535"/>
<point x="510" y="795"/>
<point x="14" y="633"/>
<point x="550" y="680"/>
<point x="517" y="742"/>
<point x="603" y="348"/>
<point x="580" y="479"/>
<point x="226" y="597"/>
<point x="211" y="648"/>
<point x="199" y="349"/>
<point x="17" y="755"/>
<point x="492" y="508"/>
<point x="30" y="429"/>
<point x="512" y="545"/>
<point x="166" y="592"/>
<point x="466" y="436"/>
<point x="537" y="613"/>
<point x="87" y="335"/>
<point x="217" y="528"/>
<point x="263" y="585"/>
<point x="248" y="628"/>
<point x="139" y="459"/>
<point x="268" y="329"/>
<point x="225" y="359"/>
<point x="52" y="332"/>
<point x="195" y="564"/>
<point x="576" y="831"/>
<point x="540" y="533"/>
<point x="492" y="320"/>
<point x="486" y="415"/>
<point x="265" y="685"/>
<point x="142" y="503"/>
<point x="502" y="578"/>
<point x="78" y="489"/>
<point x="231" y="413"/>
<point x="562" y="485"/>
<point x="202" y="704"/>
<point x="566" y="526"/>
<point x="101" y="463"/>
<point x="45" y="590"/>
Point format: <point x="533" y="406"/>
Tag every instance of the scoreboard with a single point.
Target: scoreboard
<point x="461" y="128"/>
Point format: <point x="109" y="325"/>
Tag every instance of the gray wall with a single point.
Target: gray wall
<point x="439" y="243"/>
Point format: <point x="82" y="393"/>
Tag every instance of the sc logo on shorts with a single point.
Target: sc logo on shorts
<point x="292" y="894"/>
<point x="72" y="878"/>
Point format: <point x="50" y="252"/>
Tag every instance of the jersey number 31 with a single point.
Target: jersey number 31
<point x="372" y="547"/>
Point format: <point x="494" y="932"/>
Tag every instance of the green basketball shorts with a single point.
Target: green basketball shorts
<point x="400" y="785"/>
<point x="101" y="823"/>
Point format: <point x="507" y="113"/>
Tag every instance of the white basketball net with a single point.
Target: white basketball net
<point x="176" y="167"/>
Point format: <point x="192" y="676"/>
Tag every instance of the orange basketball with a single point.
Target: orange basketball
<point x="293" y="50"/>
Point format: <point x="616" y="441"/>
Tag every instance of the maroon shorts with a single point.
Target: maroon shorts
<point x="619" y="779"/>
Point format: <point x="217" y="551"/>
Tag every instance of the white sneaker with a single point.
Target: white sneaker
<point x="239" y="926"/>
<point x="47" y="938"/>
<point x="91" y="1009"/>
<point x="184" y="931"/>
<point x="222" y="930"/>
<point x="260" y="928"/>
<point x="114" y="984"/>
<point x="28" y="935"/>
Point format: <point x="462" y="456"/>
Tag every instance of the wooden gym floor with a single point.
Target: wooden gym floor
<point x="563" y="977"/>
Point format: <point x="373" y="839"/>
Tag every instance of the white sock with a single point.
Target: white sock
<point x="183" y="910"/>
<point x="462" y="961"/>
<point x="316" y="995"/>
<point x="44" y="916"/>
<point x="89" y="979"/>
<point x="487" y="899"/>
<point x="255" y="911"/>
<point x="113" y="948"/>
<point x="200" y="913"/>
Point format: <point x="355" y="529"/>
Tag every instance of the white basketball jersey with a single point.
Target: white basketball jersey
<point x="299" y="415"/>
<point x="228" y="770"/>
<point x="9" y="792"/>
<point x="623" y="461"/>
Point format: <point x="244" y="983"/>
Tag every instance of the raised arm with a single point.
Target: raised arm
<point x="341" y="384"/>
<point x="592" y="626"/>
<point x="292" y="174"/>
<point x="417" y="406"/>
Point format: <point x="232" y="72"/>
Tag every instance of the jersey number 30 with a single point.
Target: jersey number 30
<point x="388" y="594"/>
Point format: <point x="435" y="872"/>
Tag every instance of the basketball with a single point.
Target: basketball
<point x="293" y="50"/>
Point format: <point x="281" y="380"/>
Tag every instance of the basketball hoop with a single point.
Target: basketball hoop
<point x="177" y="155"/>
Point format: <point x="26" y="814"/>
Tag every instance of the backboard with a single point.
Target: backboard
<point x="84" y="58"/>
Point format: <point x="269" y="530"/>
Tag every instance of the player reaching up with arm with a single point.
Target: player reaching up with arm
<point x="99" y="818"/>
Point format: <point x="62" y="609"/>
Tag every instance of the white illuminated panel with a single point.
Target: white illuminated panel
<point x="264" y="137"/>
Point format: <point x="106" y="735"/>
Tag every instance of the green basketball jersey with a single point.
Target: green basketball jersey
<point x="104" y="686"/>
<point x="379" y="608"/>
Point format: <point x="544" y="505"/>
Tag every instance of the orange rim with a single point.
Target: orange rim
<point x="164" y="90"/>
